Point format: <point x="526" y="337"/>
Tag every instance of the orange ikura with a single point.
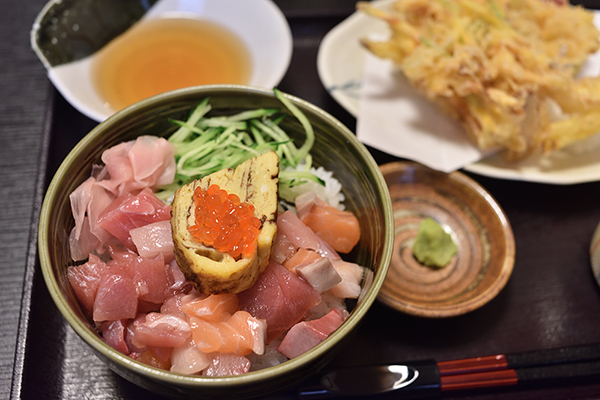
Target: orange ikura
<point x="224" y="222"/>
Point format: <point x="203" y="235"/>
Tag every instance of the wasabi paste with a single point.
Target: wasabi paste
<point x="433" y="245"/>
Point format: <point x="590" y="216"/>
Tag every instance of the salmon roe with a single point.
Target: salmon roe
<point x="224" y="222"/>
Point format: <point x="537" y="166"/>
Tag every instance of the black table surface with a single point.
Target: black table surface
<point x="551" y="299"/>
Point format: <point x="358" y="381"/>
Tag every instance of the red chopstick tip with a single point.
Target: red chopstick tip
<point x="472" y="365"/>
<point x="478" y="380"/>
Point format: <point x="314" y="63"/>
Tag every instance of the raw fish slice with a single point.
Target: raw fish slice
<point x="120" y="253"/>
<point x="188" y="359"/>
<point x="298" y="233"/>
<point x="149" y="357"/>
<point x="128" y="212"/>
<point x="206" y="335"/>
<point x="85" y="279"/>
<point x="239" y="334"/>
<point x="338" y="228"/>
<point x="113" y="333"/>
<point x="162" y="353"/>
<point x="154" y="238"/>
<point x="177" y="284"/>
<point x="160" y="330"/>
<point x="280" y="298"/>
<point x="283" y="248"/>
<point x="231" y="339"/>
<point x="307" y="334"/>
<point x="116" y="297"/>
<point x="320" y="274"/>
<point x="226" y="365"/>
<point x="325" y="250"/>
<point x="216" y="307"/>
<point x="328" y="302"/>
<point x="351" y="274"/>
<point x="150" y="278"/>
<point x="172" y="304"/>
<point x="252" y="332"/>
<point x="302" y="256"/>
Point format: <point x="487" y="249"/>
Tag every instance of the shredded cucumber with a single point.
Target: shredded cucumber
<point x="205" y="144"/>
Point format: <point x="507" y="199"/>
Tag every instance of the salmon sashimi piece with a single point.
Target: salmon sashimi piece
<point x="216" y="307"/>
<point x="280" y="298"/>
<point x="240" y="334"/>
<point x="160" y="330"/>
<point x="338" y="228"/>
<point x="302" y="256"/>
<point x="307" y="334"/>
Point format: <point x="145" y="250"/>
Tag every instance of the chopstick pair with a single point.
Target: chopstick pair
<point x="428" y="378"/>
<point x="532" y="367"/>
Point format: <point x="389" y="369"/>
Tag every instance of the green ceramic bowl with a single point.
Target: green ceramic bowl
<point x="336" y="148"/>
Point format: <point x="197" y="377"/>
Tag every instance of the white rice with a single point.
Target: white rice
<point x="330" y="193"/>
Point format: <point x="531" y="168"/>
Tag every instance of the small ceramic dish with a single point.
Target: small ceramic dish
<point x="68" y="34"/>
<point x="478" y="226"/>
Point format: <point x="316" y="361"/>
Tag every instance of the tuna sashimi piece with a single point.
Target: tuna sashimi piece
<point x="216" y="307"/>
<point x="338" y="228"/>
<point x="226" y="364"/>
<point x="307" y="334"/>
<point x="320" y="273"/>
<point x="351" y="274"/>
<point x="116" y="297"/>
<point x="120" y="253"/>
<point x="240" y="334"/>
<point x="127" y="212"/>
<point x="160" y="330"/>
<point x="85" y="279"/>
<point x="176" y="282"/>
<point x="113" y="333"/>
<point x="145" y="162"/>
<point x="283" y="248"/>
<point x="188" y="359"/>
<point x="150" y="278"/>
<point x="280" y="298"/>
<point x="302" y="256"/>
<point x="298" y="233"/>
<point x="154" y="238"/>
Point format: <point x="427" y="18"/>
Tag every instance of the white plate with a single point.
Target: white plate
<point x="259" y="23"/>
<point x="340" y="66"/>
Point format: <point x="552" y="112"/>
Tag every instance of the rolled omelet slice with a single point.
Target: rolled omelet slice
<point x="255" y="181"/>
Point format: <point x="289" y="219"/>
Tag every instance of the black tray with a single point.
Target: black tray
<point x="551" y="300"/>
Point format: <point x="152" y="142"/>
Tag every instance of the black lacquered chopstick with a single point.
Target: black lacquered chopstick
<point x="428" y="378"/>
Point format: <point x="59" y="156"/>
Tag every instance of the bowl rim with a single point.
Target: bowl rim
<point x="122" y="360"/>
